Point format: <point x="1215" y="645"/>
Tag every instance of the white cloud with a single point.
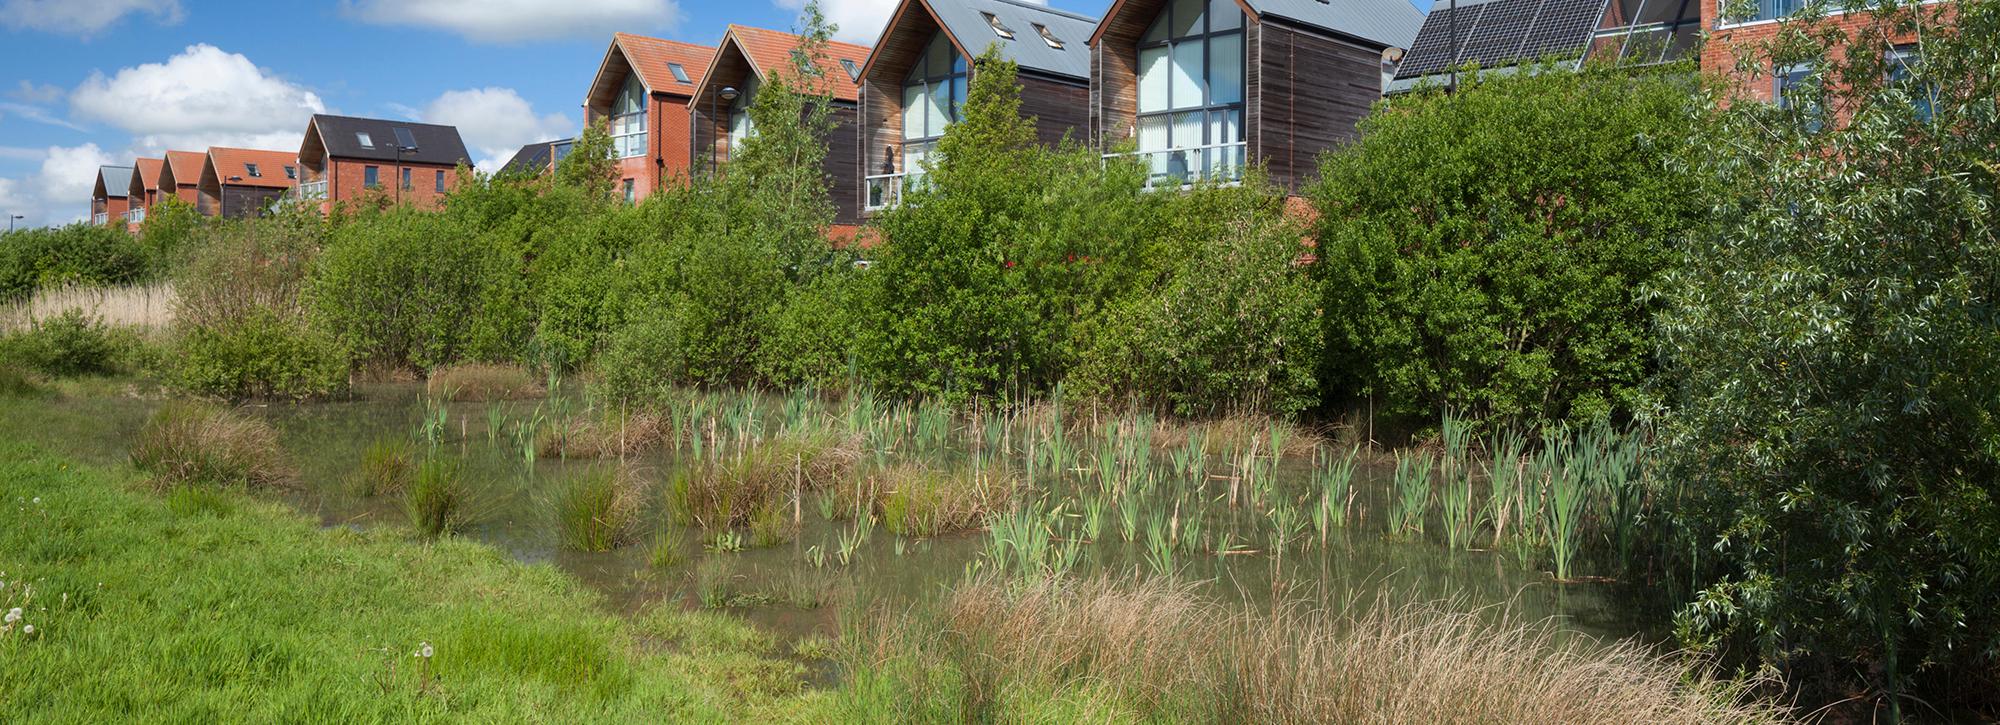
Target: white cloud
<point x="28" y="92"/>
<point x="59" y="192"/>
<point x="82" y="17"/>
<point x="512" y="20"/>
<point x="859" y="21"/>
<point x="39" y="115"/>
<point x="203" y="97"/>
<point x="495" y="122"/>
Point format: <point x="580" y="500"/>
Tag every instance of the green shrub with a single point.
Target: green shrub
<point x="1486" y="252"/>
<point x="66" y="345"/>
<point x="191" y="442"/>
<point x="78" y="254"/>
<point x="171" y="229"/>
<point x="809" y="340"/>
<point x="240" y="313"/>
<point x="1833" y="362"/>
<point x="401" y="288"/>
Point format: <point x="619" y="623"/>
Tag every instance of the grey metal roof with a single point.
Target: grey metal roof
<point x="1497" y="33"/>
<point x="963" y="19"/>
<point x="435" y="144"/>
<point x="107" y="176"/>
<point x="1390" y="23"/>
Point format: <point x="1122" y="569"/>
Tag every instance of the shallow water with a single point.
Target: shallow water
<point x="1356" y="563"/>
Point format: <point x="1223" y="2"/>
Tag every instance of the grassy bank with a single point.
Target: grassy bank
<point x="208" y="605"/>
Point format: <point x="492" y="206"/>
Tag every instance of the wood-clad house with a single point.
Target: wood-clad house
<point x="108" y="198"/>
<point x="919" y="73"/>
<point x="641" y="93"/>
<point x="1200" y="88"/>
<point x="744" y="61"/>
<point x="180" y="177"/>
<point x="240" y="183"/>
<point x="143" y="192"/>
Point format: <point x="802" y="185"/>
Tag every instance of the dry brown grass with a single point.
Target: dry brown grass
<point x="148" y="307"/>
<point x="1156" y="651"/>
<point x="729" y="492"/>
<point x="609" y="435"/>
<point x="193" y="442"/>
<point x="473" y="382"/>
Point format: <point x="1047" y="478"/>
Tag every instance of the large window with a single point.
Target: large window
<point x="740" y="125"/>
<point x="1191" y="91"/>
<point x="932" y="95"/>
<point x="628" y="119"/>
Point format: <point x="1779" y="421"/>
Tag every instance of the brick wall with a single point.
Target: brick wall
<point x="1729" y="41"/>
<point x="347" y="182"/>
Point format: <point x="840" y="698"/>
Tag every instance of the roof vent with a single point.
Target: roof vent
<point x="999" y="28"/>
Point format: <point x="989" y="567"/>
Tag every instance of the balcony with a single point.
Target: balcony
<point x="1183" y="167"/>
<point x="310" y="190"/>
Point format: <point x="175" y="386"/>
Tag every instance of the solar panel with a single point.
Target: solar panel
<point x="405" y="139"/>
<point x="1501" y="33"/>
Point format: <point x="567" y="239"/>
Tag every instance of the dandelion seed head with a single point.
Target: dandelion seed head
<point x="27" y="629"/>
<point x="13" y="615"/>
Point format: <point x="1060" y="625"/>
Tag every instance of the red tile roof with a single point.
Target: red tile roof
<point x="650" y="56"/>
<point x="186" y="166"/>
<point x="770" y="51"/>
<point x="149" y="172"/>
<point x="270" y="167"/>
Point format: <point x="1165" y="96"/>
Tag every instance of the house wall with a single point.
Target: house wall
<point x="347" y="182"/>
<point x="1060" y="108"/>
<point x="189" y="194"/>
<point x="842" y="166"/>
<point x="668" y="146"/>
<point x="1727" y="42"/>
<point x="113" y="207"/>
<point x="1306" y="93"/>
<point x="248" y="201"/>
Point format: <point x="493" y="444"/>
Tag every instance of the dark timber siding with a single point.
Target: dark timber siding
<point x="1059" y="108"/>
<point x="843" y="162"/>
<point x="247" y="201"/>
<point x="1307" y="92"/>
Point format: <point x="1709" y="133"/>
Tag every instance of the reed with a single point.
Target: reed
<point x="470" y="382"/>
<point x="609" y="433"/>
<point x="1413" y="494"/>
<point x="190" y="442"/>
<point x="387" y="466"/>
<point x="726" y="493"/>
<point x="918" y="500"/>
<point x="598" y="509"/>
<point x="1568" y="480"/>
<point x="1333" y="478"/>
<point x="438" y="502"/>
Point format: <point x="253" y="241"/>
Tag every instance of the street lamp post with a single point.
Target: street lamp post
<point x="10" y="221"/>
<point x="400" y="150"/>
<point x="728" y="94"/>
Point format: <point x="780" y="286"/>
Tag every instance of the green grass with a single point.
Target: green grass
<point x="215" y="606"/>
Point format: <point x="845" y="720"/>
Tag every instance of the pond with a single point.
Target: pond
<point x="1232" y="540"/>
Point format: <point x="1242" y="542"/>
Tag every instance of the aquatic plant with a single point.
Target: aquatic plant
<point x="597" y="509"/>
<point x="667" y="551"/>
<point x="1568" y="481"/>
<point x="713" y="494"/>
<point x="469" y="382"/>
<point x="1413" y="494"/>
<point x="773" y="524"/>
<point x="917" y="500"/>
<point x="1333" y="478"/>
<point x="438" y="502"/>
<point x="387" y="465"/>
<point x="191" y="442"/>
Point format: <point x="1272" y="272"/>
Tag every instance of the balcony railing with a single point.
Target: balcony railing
<point x="887" y="190"/>
<point x="310" y="190"/>
<point x="1185" y="166"/>
<point x="135" y="216"/>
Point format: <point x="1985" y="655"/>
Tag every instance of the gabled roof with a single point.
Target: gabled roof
<point x="533" y="158"/>
<point x="653" y="59"/>
<point x="341" y="136"/>
<point x="108" y="182"/>
<point x="184" y="167"/>
<point x="965" y="21"/>
<point x="1383" y="23"/>
<point x="146" y="175"/>
<point x="1500" y="33"/>
<point x="766" y="52"/>
<point x="227" y="166"/>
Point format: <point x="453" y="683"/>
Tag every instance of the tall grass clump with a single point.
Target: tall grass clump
<point x="918" y="500"/>
<point x="483" y="382"/>
<point x="1412" y="502"/>
<point x="438" y="501"/>
<point x="191" y="442"/>
<point x="598" y="509"/>
<point x="387" y="467"/>
<point x="1105" y="650"/>
<point x="728" y="492"/>
<point x="609" y="433"/>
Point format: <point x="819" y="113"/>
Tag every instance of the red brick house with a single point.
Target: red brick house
<point x="744" y="61"/>
<point x="144" y="190"/>
<point x="108" y="200"/>
<point x="920" y="71"/>
<point x="180" y="177"/>
<point x="241" y="183"/>
<point x="350" y="160"/>
<point x="641" y="93"/>
<point x="1756" y="23"/>
<point x="1203" y="87"/>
